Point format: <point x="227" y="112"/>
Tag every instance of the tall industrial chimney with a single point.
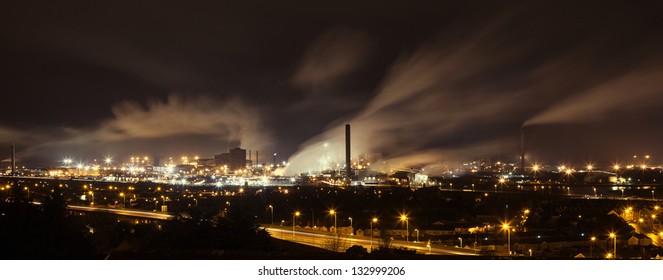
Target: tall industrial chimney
<point x="522" y="149"/>
<point x="13" y="160"/>
<point x="257" y="162"/>
<point x="348" y="162"/>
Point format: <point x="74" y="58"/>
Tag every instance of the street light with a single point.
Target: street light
<point x="92" y="194"/>
<point x="461" y="241"/>
<point x="407" y="227"/>
<point x="333" y="212"/>
<point x="351" y="228"/>
<point x="535" y="168"/>
<point x="591" y="246"/>
<point x="614" y="237"/>
<point x="124" y="198"/>
<point x="374" y="220"/>
<point x="271" y="208"/>
<point x="417" y="231"/>
<point x="568" y="172"/>
<point x="502" y="181"/>
<point x="294" y="216"/>
<point x="508" y="236"/>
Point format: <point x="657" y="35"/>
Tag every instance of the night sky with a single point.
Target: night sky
<point x="421" y="82"/>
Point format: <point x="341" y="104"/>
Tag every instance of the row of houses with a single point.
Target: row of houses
<point x="433" y="231"/>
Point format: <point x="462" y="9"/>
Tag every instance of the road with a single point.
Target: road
<point x="650" y="232"/>
<point x="123" y="212"/>
<point x="329" y="241"/>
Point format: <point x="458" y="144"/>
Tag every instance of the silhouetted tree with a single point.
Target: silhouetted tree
<point x="357" y="251"/>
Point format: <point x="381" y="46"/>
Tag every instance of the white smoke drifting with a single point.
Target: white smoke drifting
<point x="454" y="99"/>
<point x="176" y="125"/>
<point x="330" y="57"/>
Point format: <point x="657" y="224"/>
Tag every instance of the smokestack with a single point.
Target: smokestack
<point x="348" y="162"/>
<point x="522" y="149"/>
<point x="257" y="162"/>
<point x="13" y="160"/>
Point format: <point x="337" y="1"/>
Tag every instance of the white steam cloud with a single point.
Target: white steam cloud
<point x="454" y="99"/>
<point x="330" y="57"/>
<point x="134" y="127"/>
<point x="640" y="89"/>
<point x="416" y="105"/>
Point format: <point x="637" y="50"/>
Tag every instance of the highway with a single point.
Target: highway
<point x="123" y="212"/>
<point x="329" y="242"/>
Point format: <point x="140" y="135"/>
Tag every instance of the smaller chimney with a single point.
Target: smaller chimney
<point x="348" y="159"/>
<point x="522" y="150"/>
<point x="13" y="173"/>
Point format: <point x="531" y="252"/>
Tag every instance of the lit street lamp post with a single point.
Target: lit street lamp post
<point x="294" y="216"/>
<point x="508" y="236"/>
<point x="568" y="179"/>
<point x="351" y="228"/>
<point x="333" y="212"/>
<point x="124" y="200"/>
<point x="417" y="231"/>
<point x="271" y="208"/>
<point x="614" y="250"/>
<point x="461" y="242"/>
<point x="591" y="246"/>
<point x="407" y="228"/>
<point x="374" y="220"/>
